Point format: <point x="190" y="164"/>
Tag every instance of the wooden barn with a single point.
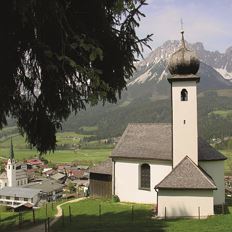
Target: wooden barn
<point x="100" y="184"/>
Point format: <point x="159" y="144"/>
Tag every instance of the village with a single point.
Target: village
<point x="116" y="116"/>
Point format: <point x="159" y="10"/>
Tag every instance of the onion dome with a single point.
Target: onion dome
<point x="183" y="61"/>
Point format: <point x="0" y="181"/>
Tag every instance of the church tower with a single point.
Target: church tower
<point x="11" y="168"/>
<point x="183" y="66"/>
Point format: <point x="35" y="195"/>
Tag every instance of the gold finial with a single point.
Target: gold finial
<point x="182" y="33"/>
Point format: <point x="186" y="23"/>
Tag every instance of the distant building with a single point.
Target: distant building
<point x="35" y="162"/>
<point x="15" y="174"/>
<point x="50" y="190"/>
<point x="17" y="196"/>
<point x="100" y="182"/>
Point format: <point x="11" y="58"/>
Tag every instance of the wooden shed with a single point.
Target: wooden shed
<point x="100" y="184"/>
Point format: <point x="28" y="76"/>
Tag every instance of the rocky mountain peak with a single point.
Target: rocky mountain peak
<point x="157" y="60"/>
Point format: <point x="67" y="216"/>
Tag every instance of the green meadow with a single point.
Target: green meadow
<point x="10" y="220"/>
<point x="68" y="149"/>
<point x="119" y="217"/>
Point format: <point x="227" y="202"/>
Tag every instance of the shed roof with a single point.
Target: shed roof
<point x="187" y="175"/>
<point x="103" y="168"/>
<point x="58" y="176"/>
<point x="19" y="192"/>
<point x="154" y="141"/>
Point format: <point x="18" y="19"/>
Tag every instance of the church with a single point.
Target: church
<point x="14" y="176"/>
<point x="169" y="164"/>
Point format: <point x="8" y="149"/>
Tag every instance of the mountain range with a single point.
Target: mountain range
<point x="151" y="73"/>
<point x="147" y="98"/>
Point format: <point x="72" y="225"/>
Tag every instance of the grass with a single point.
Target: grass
<point x="221" y="113"/>
<point x="228" y="162"/>
<point x="89" y="128"/>
<point x="117" y="217"/>
<point x="84" y="156"/>
<point x="72" y="138"/>
<point x="10" y="220"/>
<point x="66" y="149"/>
<point x="224" y="92"/>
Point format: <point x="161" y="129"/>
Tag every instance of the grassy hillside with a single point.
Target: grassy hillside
<point x="116" y="217"/>
<point x="214" y="115"/>
<point x="68" y="149"/>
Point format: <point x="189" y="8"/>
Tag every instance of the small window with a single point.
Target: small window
<point x="184" y="95"/>
<point x="25" y="199"/>
<point x="17" y="198"/>
<point x="145" y="176"/>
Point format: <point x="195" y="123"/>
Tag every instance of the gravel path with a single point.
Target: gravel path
<point x="41" y="227"/>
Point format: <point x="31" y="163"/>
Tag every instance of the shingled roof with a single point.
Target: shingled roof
<point x="187" y="175"/>
<point x="154" y="141"/>
<point x="103" y="168"/>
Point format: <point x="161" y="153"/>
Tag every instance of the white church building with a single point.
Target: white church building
<point x="13" y="177"/>
<point x="168" y="164"/>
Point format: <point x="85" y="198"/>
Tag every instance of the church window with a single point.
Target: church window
<point x="145" y="176"/>
<point x="184" y="95"/>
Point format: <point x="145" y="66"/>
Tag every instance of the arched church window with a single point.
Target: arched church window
<point x="145" y="176"/>
<point x="184" y="95"/>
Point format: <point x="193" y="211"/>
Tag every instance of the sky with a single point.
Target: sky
<point x="206" y="21"/>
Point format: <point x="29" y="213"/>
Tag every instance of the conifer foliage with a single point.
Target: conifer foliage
<point x="59" y="55"/>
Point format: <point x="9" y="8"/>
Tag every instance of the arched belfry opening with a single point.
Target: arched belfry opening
<point x="184" y="95"/>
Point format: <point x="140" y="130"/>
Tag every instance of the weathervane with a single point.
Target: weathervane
<point x="181" y="25"/>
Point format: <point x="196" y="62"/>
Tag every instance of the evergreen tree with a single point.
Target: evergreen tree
<point x="59" y="55"/>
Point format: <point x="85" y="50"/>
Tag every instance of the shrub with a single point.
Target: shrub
<point x="115" y="198"/>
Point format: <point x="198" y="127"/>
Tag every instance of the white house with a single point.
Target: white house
<point x="168" y="164"/>
<point x="18" y="196"/>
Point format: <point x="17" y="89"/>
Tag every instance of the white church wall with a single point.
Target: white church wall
<point x="185" y="203"/>
<point x="216" y="170"/>
<point x="185" y="140"/>
<point x="127" y="180"/>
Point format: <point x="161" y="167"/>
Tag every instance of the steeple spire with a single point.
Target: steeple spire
<point x="182" y="34"/>
<point x="11" y="150"/>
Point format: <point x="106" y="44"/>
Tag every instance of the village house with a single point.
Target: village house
<point x="50" y="190"/>
<point x="15" y="197"/>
